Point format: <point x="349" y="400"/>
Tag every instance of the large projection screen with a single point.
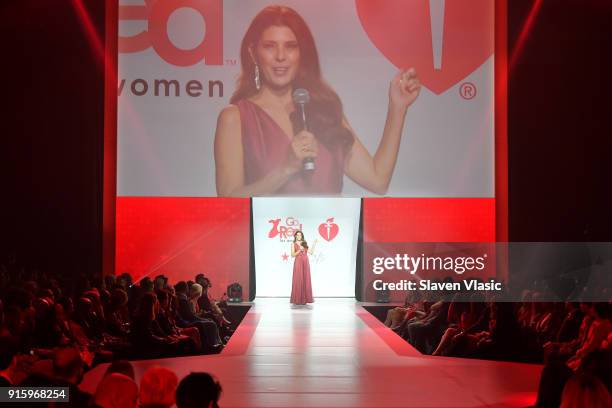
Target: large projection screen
<point x="179" y="62"/>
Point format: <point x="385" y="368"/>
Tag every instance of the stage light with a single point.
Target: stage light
<point x="90" y="30"/>
<point x="524" y="34"/>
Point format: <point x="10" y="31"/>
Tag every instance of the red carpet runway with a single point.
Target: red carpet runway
<point x="335" y="354"/>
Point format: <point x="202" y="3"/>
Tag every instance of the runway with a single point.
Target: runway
<point x="336" y="354"/>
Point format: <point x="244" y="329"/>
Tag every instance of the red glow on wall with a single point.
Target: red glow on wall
<point x="429" y="220"/>
<point x="525" y="31"/>
<point x="90" y="30"/>
<point x="181" y="237"/>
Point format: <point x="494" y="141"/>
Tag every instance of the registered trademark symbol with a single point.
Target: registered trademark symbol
<point x="467" y="90"/>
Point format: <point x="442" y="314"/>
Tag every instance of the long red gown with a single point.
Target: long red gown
<point x="301" y="287"/>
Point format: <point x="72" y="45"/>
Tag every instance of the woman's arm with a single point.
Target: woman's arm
<point x="311" y="250"/>
<point x="294" y="253"/>
<point x="374" y="172"/>
<point x="229" y="159"/>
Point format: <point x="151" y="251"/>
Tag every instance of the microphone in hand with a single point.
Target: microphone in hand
<point x="300" y="98"/>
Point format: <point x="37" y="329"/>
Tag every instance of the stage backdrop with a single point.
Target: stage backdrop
<point x="333" y="222"/>
<point x="181" y="237"/>
<point x="456" y="227"/>
<point x="179" y="61"/>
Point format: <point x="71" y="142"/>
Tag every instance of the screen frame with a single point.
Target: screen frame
<point x="110" y="130"/>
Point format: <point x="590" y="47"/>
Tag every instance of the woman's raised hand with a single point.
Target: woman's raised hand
<point x="404" y="88"/>
<point x="304" y="145"/>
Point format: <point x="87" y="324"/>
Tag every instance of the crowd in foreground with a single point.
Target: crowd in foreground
<point x="158" y="387"/>
<point x="108" y="319"/>
<point x="53" y="331"/>
<point x="573" y="340"/>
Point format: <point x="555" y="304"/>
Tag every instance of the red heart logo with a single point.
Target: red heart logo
<point x="402" y="31"/>
<point x="328" y="230"/>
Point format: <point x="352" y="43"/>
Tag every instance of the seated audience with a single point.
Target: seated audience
<point x="117" y="313"/>
<point x="425" y="333"/>
<point x="412" y="303"/>
<point x="208" y="306"/>
<point x="187" y="317"/>
<point x="563" y="350"/>
<point x="599" y="330"/>
<point x="148" y="335"/>
<point x="166" y="318"/>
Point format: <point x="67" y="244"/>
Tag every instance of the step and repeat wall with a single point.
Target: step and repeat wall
<point x="330" y="227"/>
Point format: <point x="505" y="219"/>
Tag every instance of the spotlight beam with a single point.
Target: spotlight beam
<point x="525" y="31"/>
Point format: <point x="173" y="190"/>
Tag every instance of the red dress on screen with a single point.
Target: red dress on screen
<point x="266" y="145"/>
<point x="301" y="287"/>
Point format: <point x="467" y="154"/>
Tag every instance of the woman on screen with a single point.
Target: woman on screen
<point x="260" y="144"/>
<point x="301" y="287"/>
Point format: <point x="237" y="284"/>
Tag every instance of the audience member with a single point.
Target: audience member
<point x="585" y="391"/>
<point x="553" y="379"/>
<point x="598" y="332"/>
<point x="198" y="390"/>
<point x="187" y="317"/>
<point x="116" y="391"/>
<point x="158" y="388"/>
<point x="121" y="367"/>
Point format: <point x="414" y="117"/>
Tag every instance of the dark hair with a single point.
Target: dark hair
<point x="304" y="244"/>
<point x="110" y="281"/>
<point x="325" y="108"/>
<point x="180" y="287"/>
<point x="147" y="284"/>
<point x="198" y="390"/>
<point x="160" y="279"/>
<point x="122" y="367"/>
<point x="127" y="277"/>
<point x="602" y="309"/>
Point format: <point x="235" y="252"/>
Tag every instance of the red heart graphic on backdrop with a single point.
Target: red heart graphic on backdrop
<point x="328" y="230"/>
<point x="402" y="31"/>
